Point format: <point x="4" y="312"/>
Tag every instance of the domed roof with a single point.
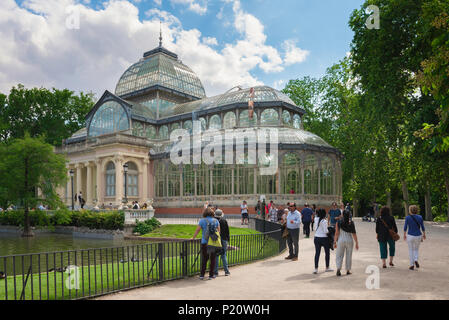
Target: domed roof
<point x="261" y="94"/>
<point x="160" y="67"/>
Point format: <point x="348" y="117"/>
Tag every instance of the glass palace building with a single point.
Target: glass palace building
<point x="159" y="94"/>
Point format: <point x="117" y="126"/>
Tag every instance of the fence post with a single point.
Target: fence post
<point x="184" y="257"/>
<point x="161" y="261"/>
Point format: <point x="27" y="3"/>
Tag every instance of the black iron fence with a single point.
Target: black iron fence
<point x="88" y="273"/>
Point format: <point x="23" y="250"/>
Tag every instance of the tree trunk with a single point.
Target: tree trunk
<point x="405" y="196"/>
<point x="446" y="182"/>
<point x="428" y="204"/>
<point x="27" y="232"/>
<point x="389" y="199"/>
<point x="355" y="205"/>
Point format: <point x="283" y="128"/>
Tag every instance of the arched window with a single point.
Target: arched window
<point x="269" y="117"/>
<point x="286" y="118"/>
<point x="296" y="121"/>
<point x="174" y="126"/>
<point x="215" y="122"/>
<point x="150" y="132"/>
<point x="110" y="179"/>
<point x="291" y="174"/>
<point x="138" y="129"/>
<point x="203" y="124"/>
<point x="311" y="175"/>
<point x="173" y="180"/>
<point x="188" y="125"/>
<point x="110" y="117"/>
<point x="230" y="120"/>
<point x="163" y="132"/>
<point x="244" y="120"/>
<point x="160" y="176"/>
<point x="132" y="183"/>
<point x="326" y="171"/>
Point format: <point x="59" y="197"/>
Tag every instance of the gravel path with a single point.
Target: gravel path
<point x="276" y="278"/>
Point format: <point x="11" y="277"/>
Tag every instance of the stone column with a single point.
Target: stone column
<point x="89" y="184"/>
<point x="100" y="181"/>
<point x="79" y="184"/>
<point x="118" y="162"/>
<point x="146" y="163"/>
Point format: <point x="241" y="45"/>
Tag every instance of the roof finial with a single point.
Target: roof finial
<point x="160" y="34"/>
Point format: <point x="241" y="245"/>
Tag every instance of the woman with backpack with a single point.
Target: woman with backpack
<point x="345" y="236"/>
<point x="414" y="223"/>
<point x="321" y="239"/>
<point x="384" y="224"/>
<point x="208" y="225"/>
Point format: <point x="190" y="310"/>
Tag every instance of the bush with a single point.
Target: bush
<point x="147" y="226"/>
<point x="440" y="218"/>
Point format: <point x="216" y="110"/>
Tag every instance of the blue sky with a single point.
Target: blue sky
<point x="252" y="36"/>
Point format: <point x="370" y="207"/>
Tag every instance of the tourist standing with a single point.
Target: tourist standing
<point x="273" y="213"/>
<point x="321" y="239"/>
<point x="334" y="214"/>
<point x="225" y="237"/>
<point x="244" y="212"/>
<point x="258" y="208"/>
<point x="206" y="224"/>
<point x="345" y="235"/>
<point x="314" y="214"/>
<point x="280" y="213"/>
<point x="293" y="223"/>
<point x="383" y="226"/>
<point x="306" y="218"/>
<point x="414" y="223"/>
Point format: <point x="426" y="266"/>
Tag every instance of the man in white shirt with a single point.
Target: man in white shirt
<point x="293" y="223"/>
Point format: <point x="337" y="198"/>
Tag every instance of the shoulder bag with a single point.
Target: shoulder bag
<point x="393" y="234"/>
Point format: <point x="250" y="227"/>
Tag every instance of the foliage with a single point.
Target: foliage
<point x="111" y="220"/>
<point x="146" y="226"/>
<point x="55" y="114"/>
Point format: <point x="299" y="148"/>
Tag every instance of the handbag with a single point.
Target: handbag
<point x="393" y="234"/>
<point x="285" y="233"/>
<point x="330" y="236"/>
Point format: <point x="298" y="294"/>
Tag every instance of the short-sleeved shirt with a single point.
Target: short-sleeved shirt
<point x="307" y="214"/>
<point x="244" y="208"/>
<point x="203" y="224"/>
<point x="334" y="214"/>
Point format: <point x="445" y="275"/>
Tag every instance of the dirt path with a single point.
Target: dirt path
<point x="276" y="278"/>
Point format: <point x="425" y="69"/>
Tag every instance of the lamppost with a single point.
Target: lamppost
<point x="71" y="178"/>
<point x="125" y="169"/>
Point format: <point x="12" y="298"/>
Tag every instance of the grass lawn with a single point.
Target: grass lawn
<point x="182" y="231"/>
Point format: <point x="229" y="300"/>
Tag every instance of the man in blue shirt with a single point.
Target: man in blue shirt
<point x="306" y="217"/>
<point x="334" y="214"/>
<point x="293" y="223"/>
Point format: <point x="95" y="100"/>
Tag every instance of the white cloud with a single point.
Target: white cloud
<point x="158" y="2"/>
<point x="38" y="50"/>
<point x="293" y="54"/>
<point x="279" y="84"/>
<point x="197" y="6"/>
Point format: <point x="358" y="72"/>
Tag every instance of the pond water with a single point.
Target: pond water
<point x="14" y="244"/>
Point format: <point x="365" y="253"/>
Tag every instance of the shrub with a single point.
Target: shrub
<point x="147" y="226"/>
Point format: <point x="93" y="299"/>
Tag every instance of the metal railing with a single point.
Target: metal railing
<point x="78" y="274"/>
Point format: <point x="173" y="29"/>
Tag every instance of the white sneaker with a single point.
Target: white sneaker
<point x="329" y="270"/>
<point x="316" y="271"/>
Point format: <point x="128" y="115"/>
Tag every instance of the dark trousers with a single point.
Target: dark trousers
<point x="306" y="228"/>
<point x="293" y="242"/>
<point x="321" y="242"/>
<point x="204" y="257"/>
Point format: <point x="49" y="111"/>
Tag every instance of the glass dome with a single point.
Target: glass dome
<point x="110" y="117"/>
<point x="160" y="69"/>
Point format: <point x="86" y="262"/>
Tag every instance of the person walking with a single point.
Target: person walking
<point x="334" y="214"/>
<point x="306" y="218"/>
<point x="345" y="235"/>
<point x="321" y="239"/>
<point x="225" y="237"/>
<point x="206" y="224"/>
<point x="293" y="223"/>
<point x="383" y="225"/>
<point x="244" y="212"/>
<point x="413" y="225"/>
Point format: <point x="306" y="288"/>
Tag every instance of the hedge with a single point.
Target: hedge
<point x="111" y="220"/>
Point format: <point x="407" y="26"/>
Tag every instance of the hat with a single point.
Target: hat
<point x="218" y="213"/>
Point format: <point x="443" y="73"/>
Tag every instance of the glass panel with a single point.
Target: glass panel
<point x="296" y="121"/>
<point x="203" y="124"/>
<point x="291" y="174"/>
<point x="229" y="121"/>
<point x="188" y="125"/>
<point x="269" y="117"/>
<point x="150" y="132"/>
<point x="138" y="129"/>
<point x="110" y="117"/>
<point x="163" y="132"/>
<point x="311" y="175"/>
<point x="245" y="121"/>
<point x="188" y="179"/>
<point x="215" y="122"/>
<point x="286" y="118"/>
<point x="173" y="181"/>
<point x="110" y="179"/>
<point x="203" y="180"/>
<point x="326" y="183"/>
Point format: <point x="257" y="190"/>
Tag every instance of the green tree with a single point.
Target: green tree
<point x="30" y="172"/>
<point x="56" y="114"/>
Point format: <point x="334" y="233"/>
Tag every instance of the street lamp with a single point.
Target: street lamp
<point x="71" y="178"/>
<point x="125" y="169"/>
